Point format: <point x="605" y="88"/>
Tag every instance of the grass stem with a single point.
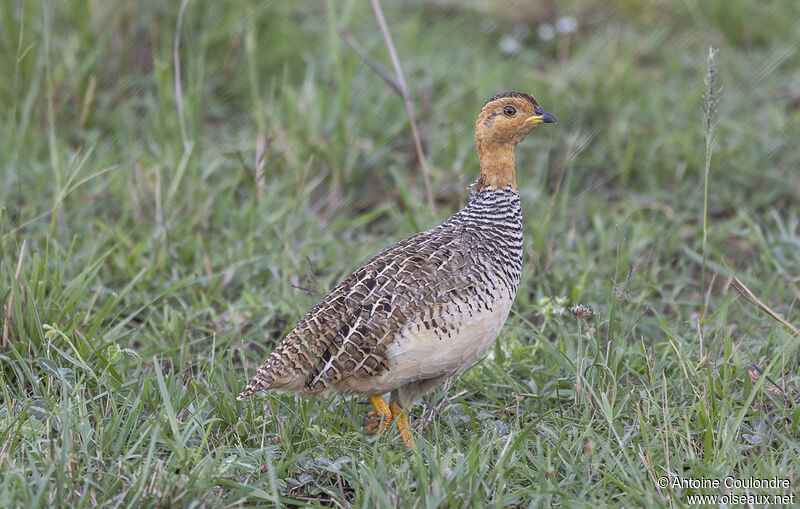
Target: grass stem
<point x="710" y="112"/>
<point x="398" y="70"/>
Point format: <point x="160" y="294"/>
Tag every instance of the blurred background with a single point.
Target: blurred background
<point x="248" y="146"/>
<point x="277" y="142"/>
<point x="185" y="178"/>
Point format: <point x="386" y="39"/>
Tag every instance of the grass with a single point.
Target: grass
<point x="156" y="241"/>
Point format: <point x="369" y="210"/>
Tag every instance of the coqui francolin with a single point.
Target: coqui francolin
<point x="427" y="307"/>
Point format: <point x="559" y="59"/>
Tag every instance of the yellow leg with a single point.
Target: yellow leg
<point x="400" y="416"/>
<point x="381" y="417"/>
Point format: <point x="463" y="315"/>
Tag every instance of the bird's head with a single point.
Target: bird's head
<point x="507" y="118"/>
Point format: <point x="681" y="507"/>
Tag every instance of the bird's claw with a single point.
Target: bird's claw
<point x="377" y="422"/>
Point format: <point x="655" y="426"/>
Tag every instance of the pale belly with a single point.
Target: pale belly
<point x="419" y="354"/>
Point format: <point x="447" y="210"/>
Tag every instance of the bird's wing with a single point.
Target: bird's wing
<point x="347" y="333"/>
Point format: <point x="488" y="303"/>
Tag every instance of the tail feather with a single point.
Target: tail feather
<point x="285" y="370"/>
<point x="263" y="379"/>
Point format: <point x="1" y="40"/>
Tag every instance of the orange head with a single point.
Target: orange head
<point x="505" y="120"/>
<point x="509" y="117"/>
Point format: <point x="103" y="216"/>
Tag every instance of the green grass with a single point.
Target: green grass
<point x="145" y="272"/>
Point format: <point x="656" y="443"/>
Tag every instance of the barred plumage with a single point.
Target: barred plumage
<point x="428" y="306"/>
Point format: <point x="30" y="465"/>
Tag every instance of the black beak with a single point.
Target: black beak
<point x="546" y="117"/>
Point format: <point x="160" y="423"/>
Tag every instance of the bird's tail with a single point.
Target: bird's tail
<point x="263" y="378"/>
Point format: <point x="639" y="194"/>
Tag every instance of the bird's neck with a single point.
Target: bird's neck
<point x="497" y="166"/>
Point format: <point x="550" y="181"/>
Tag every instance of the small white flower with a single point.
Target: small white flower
<point x="509" y="44"/>
<point x="546" y="31"/>
<point x="566" y="25"/>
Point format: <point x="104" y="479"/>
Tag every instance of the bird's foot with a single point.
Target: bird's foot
<point x="400" y="416"/>
<point x="379" y="419"/>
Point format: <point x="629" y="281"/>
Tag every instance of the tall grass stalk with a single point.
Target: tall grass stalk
<point x="710" y="112"/>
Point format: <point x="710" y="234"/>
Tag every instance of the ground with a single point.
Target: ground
<point x="160" y="231"/>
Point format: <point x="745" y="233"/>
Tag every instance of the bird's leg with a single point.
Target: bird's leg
<point x="380" y="418"/>
<point x="400" y="416"/>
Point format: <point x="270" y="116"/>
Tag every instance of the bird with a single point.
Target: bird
<point x="429" y="306"/>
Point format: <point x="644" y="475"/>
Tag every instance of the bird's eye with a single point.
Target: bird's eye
<point x="509" y="111"/>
